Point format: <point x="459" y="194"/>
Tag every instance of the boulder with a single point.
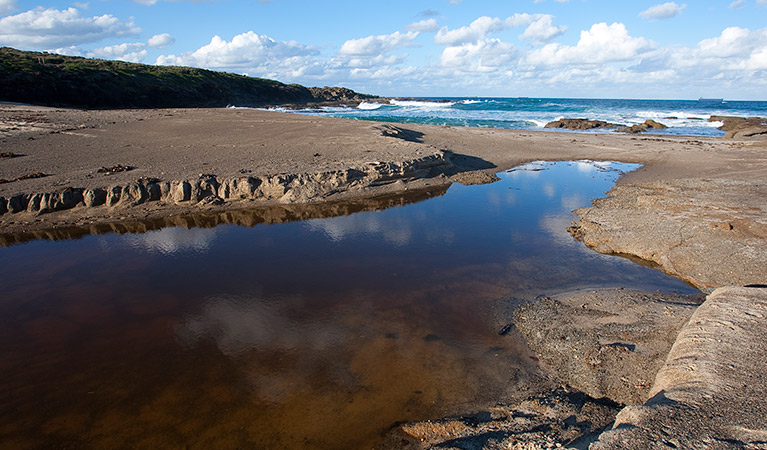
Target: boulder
<point x="581" y="124"/>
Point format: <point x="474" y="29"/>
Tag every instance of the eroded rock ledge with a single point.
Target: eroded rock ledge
<point x="708" y="232"/>
<point x="208" y="189"/>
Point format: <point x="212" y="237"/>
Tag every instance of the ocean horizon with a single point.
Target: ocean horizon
<point x="682" y="117"/>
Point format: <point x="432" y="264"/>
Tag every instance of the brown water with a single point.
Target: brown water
<point x="311" y="334"/>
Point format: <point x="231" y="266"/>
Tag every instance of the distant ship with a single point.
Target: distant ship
<point x="711" y="100"/>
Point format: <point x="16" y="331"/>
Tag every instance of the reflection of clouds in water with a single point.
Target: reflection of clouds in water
<point x="238" y="324"/>
<point x="395" y="230"/>
<point x="573" y="201"/>
<point x="173" y="240"/>
<point x="549" y="190"/>
<point x="556" y="226"/>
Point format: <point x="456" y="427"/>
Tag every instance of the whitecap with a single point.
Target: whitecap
<point x="369" y="106"/>
<point x="422" y="104"/>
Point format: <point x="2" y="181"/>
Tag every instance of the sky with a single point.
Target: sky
<point x="530" y="48"/>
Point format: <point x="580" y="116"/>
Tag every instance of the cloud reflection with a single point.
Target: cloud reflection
<point x="173" y="240"/>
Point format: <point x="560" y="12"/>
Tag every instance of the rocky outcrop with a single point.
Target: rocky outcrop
<point x="710" y="393"/>
<point x="742" y="127"/>
<point x="581" y="124"/>
<point x="209" y="189"/>
<point x="687" y="228"/>
<point x="642" y="127"/>
<point x="249" y="217"/>
<point x="337" y="94"/>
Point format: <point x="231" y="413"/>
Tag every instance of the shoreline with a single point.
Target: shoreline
<point x="696" y="208"/>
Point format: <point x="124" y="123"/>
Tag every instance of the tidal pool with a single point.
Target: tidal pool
<point x="319" y="333"/>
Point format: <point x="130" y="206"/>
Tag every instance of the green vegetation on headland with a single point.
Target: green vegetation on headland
<point x="57" y="80"/>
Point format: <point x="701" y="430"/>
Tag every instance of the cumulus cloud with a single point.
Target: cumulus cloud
<point x="662" y="11"/>
<point x="160" y="40"/>
<point x="249" y="52"/>
<point x="50" y="28"/>
<point x="131" y="52"/>
<point x="539" y="29"/>
<point x="377" y="45"/>
<point x="472" y="33"/>
<point x="601" y="44"/>
<point x="482" y="56"/>
<point x="735" y="48"/>
<point x="7" y="6"/>
<point x="425" y="26"/>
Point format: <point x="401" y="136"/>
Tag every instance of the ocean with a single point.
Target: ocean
<point x="683" y="117"/>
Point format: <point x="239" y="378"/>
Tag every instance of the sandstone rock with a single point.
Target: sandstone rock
<point x="642" y="127"/>
<point x="18" y="203"/>
<point x="710" y="393"/>
<point x="606" y="343"/>
<point x="94" y="197"/>
<point x="741" y="127"/>
<point x="113" y="195"/>
<point x="581" y="124"/>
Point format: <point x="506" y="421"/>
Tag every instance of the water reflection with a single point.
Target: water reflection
<point x="319" y="333"/>
<point x="173" y="240"/>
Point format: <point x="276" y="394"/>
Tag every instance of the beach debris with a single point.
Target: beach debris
<point x="505" y="330"/>
<point x="8" y="155"/>
<point x="115" y="169"/>
<point x="25" y="177"/>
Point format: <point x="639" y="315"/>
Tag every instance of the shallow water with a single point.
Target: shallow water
<point x="315" y="334"/>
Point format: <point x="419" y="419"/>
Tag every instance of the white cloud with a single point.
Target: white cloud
<point x="426" y="26"/>
<point x="146" y="2"/>
<point x="601" y="44"/>
<point x="482" y="56"/>
<point x="737" y="4"/>
<point x="7" y="6"/>
<point x="662" y="11"/>
<point x="472" y="33"/>
<point x="255" y="55"/>
<point x="377" y="45"/>
<point x="734" y="49"/>
<point x="49" y="28"/>
<point x="131" y="52"/>
<point x="160" y="40"/>
<point x="539" y="29"/>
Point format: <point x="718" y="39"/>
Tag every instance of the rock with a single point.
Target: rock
<point x="94" y="197"/>
<point x="711" y="392"/>
<point x="113" y="195"/>
<point x="642" y="127"/>
<point x="741" y="127"/>
<point x="3" y="206"/>
<point x="547" y="421"/>
<point x="676" y="226"/>
<point x="18" y="203"/>
<point x="606" y="343"/>
<point x="581" y="124"/>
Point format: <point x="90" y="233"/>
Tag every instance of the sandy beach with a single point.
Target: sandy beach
<point x="695" y="210"/>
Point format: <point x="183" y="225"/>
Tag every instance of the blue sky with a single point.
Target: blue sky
<point x="536" y="48"/>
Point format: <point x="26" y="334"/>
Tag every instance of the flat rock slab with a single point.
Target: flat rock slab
<point x="708" y="232"/>
<point x="606" y="343"/>
<point x="712" y="391"/>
